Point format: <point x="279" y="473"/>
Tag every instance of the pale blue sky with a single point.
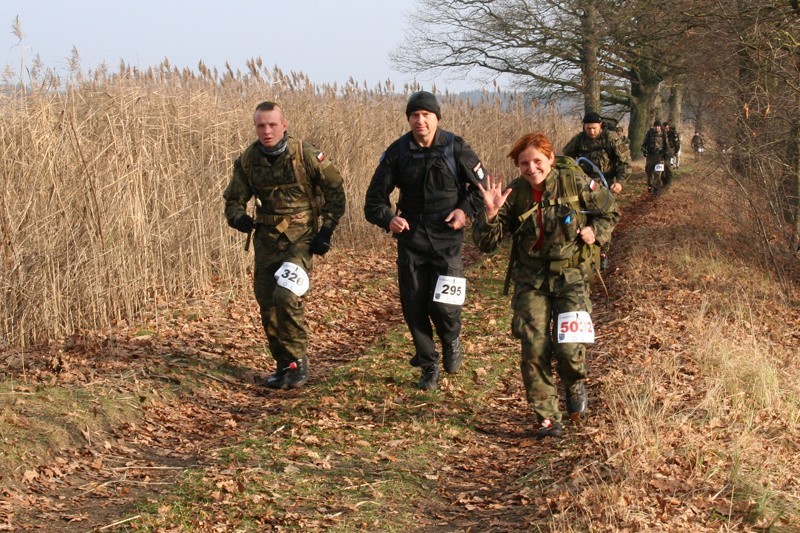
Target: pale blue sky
<point x="330" y="40"/>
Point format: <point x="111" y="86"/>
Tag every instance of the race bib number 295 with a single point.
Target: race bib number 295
<point x="450" y="290"/>
<point x="575" y="327"/>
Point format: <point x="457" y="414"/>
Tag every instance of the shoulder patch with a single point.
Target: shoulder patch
<point x="478" y="170"/>
<point x="592" y="184"/>
<point x="320" y="157"/>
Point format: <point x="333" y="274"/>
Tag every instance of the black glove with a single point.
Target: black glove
<point x="245" y="223"/>
<point x="322" y="241"/>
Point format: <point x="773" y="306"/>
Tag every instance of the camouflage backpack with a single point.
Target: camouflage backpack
<point x="568" y="195"/>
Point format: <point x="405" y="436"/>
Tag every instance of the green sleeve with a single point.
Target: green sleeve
<point x="237" y="193"/>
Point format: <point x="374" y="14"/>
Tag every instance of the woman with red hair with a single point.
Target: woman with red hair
<point x="558" y="217"/>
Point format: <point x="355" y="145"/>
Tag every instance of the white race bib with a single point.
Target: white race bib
<point x="659" y="167"/>
<point x="575" y="327"/>
<point x="450" y="290"/>
<point x="292" y="277"/>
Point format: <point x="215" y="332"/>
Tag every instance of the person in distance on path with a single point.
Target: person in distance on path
<point x="608" y="152"/>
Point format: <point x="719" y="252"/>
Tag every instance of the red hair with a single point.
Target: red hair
<point x="536" y="140"/>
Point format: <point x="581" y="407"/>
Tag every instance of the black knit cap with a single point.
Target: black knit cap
<point x="592" y="118"/>
<point x="657" y="123"/>
<point x="423" y="100"/>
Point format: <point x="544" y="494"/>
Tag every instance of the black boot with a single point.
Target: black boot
<point x="430" y="378"/>
<point x="297" y="373"/>
<point x="549" y="428"/>
<point x="576" y="399"/>
<point x="451" y="356"/>
<point x="277" y="380"/>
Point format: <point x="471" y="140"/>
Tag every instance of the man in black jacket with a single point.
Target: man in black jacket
<point x="437" y="174"/>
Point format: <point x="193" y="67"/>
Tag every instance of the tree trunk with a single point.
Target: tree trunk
<point x="590" y="43"/>
<point x="675" y="105"/>
<point x="644" y="90"/>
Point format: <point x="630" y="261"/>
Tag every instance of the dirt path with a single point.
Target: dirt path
<point x="99" y="483"/>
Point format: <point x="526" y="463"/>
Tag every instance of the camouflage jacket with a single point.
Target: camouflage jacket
<point x="655" y="144"/>
<point x="568" y="191"/>
<point x="292" y="190"/>
<point x="608" y="151"/>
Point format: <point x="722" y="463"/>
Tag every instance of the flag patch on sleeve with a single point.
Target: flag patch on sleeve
<point x="320" y="157"/>
<point x="592" y="184"/>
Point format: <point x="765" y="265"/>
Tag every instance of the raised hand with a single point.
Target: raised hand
<point x="494" y="196"/>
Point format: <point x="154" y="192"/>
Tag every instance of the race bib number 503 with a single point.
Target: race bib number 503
<point x="292" y="277"/>
<point x="575" y="327"/>
<point x="450" y="290"/>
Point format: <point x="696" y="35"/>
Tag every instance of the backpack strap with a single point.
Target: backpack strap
<point x="304" y="181"/>
<point x="447" y="153"/>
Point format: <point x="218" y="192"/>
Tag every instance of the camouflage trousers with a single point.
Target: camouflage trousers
<point x="281" y="310"/>
<point x="537" y="304"/>
<point x="662" y="180"/>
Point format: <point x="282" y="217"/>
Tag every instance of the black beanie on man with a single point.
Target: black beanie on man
<point x="423" y="100"/>
<point x="592" y="118"/>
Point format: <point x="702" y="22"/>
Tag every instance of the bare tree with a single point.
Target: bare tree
<point x="612" y="53"/>
<point x="548" y="47"/>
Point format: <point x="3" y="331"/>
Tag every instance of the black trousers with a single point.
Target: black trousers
<point x="418" y="272"/>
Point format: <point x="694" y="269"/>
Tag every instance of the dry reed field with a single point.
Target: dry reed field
<point x="111" y="187"/>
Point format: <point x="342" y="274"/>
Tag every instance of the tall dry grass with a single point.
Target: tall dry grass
<point x="111" y="187"/>
<point x="703" y="413"/>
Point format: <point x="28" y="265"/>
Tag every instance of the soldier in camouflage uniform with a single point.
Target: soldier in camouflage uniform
<point x="609" y="152"/>
<point x="294" y="185"/>
<point x="622" y="137"/>
<point x="655" y="149"/>
<point x="554" y="241"/>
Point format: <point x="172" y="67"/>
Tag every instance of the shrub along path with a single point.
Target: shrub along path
<point x="182" y="439"/>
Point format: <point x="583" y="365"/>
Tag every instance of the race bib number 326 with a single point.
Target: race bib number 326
<point x="575" y="327"/>
<point x="292" y="277"/>
<point x="450" y="290"/>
